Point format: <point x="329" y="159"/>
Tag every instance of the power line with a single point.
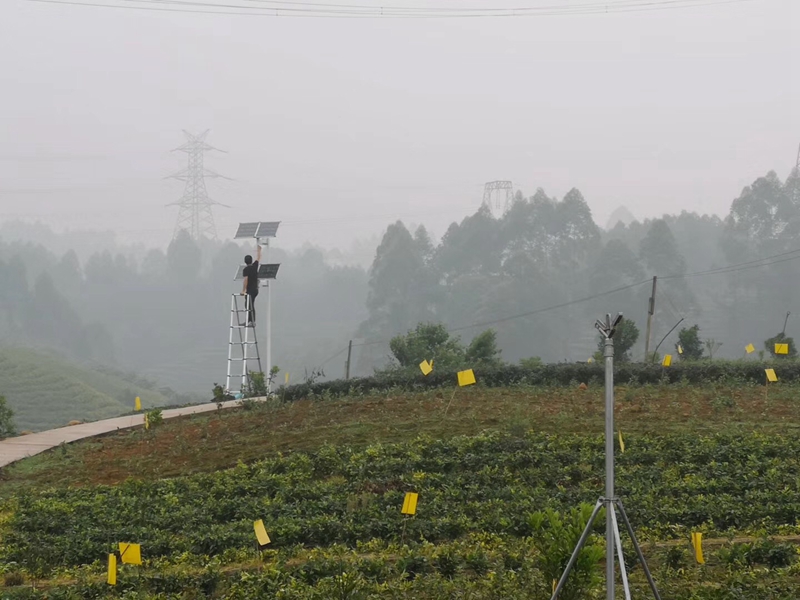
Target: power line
<point x="337" y="11"/>
<point x="739" y="267"/>
<point x="528" y="313"/>
<point x="729" y="269"/>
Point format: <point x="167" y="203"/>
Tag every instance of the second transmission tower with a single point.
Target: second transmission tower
<point x="498" y="196"/>
<point x="194" y="213"/>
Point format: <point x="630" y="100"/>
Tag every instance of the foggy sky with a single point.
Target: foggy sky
<point x="337" y="127"/>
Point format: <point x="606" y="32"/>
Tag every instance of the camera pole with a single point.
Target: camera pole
<point x="611" y="504"/>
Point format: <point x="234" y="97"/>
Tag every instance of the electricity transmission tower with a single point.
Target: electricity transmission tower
<point x="498" y="195"/>
<point x="194" y="213"/>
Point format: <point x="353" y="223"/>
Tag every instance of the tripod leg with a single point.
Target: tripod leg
<point x="578" y="547"/>
<point x="622" y="570"/>
<point x="629" y="527"/>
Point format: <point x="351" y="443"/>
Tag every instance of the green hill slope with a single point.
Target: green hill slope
<point x="328" y="479"/>
<point x="48" y="391"/>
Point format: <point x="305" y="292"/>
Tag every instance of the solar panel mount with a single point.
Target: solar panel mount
<point x="268" y="271"/>
<point x="247" y="230"/>
<point x="267" y="229"/>
<point x="259" y="229"/>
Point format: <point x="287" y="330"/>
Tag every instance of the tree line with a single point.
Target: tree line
<point x="546" y="252"/>
<point x="166" y="313"/>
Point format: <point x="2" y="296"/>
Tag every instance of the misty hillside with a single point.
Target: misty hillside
<point x="46" y="391"/>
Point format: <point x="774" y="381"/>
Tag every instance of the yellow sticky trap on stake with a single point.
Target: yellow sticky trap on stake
<point x="146" y="422"/>
<point x="466" y="378"/>
<point x="771" y="377"/>
<point x="426" y="367"/>
<point x="749" y="348"/>
<point x="137" y="405"/>
<point x="112" y="569"/>
<point x="680" y="349"/>
<point x="410" y="503"/>
<point x="697" y="544"/>
<point x="781" y="348"/>
<point x="621" y="442"/>
<point x="667" y="360"/>
<point x="261" y="533"/>
<point x="286" y="378"/>
<point x="130" y="554"/>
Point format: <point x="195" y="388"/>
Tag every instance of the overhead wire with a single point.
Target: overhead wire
<point x="729" y="269"/>
<point x="291" y="9"/>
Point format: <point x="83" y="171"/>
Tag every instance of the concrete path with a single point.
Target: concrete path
<point x="17" y="448"/>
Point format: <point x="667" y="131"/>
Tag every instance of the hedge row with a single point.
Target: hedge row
<point x="559" y="374"/>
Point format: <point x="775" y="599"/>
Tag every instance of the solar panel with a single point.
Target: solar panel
<point x="247" y="230"/>
<point x="268" y="271"/>
<point x="269" y="229"/>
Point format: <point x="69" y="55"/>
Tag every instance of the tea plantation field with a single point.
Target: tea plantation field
<point x="47" y="391"/>
<point x="504" y="479"/>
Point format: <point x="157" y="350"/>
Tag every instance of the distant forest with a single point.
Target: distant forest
<point x="165" y="314"/>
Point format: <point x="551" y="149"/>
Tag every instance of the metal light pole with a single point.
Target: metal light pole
<point x="608" y="354"/>
<point x="262" y="231"/>
<point x="607" y="329"/>
<point x="268" y="372"/>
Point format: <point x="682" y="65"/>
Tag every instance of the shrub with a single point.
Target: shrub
<point x="781" y="338"/>
<point x="7" y="427"/>
<point x="154" y="417"/>
<point x="689" y="342"/>
<point x="556" y="536"/>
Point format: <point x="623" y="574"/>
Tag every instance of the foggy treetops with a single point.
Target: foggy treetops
<point x="165" y="314"/>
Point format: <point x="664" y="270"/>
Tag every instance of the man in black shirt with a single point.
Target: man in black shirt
<point x="250" y="285"/>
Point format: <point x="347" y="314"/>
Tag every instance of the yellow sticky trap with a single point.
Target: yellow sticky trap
<point x="131" y="554"/>
<point x="667" y="360"/>
<point x="261" y="533"/>
<point x="621" y="442"/>
<point x="680" y="349"/>
<point x="146" y="421"/>
<point x="410" y="503"/>
<point x="697" y="544"/>
<point x="771" y="377"/>
<point x="781" y="348"/>
<point x="112" y="569"/>
<point x="286" y="378"/>
<point x="426" y="367"/>
<point x="749" y="348"/>
<point x="466" y="377"/>
<point x="137" y="405"/>
<point x="591" y="360"/>
<point x="555" y="585"/>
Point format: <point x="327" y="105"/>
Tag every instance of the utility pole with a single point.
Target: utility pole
<point x="347" y="364"/>
<point x="651" y="308"/>
<point x="194" y="214"/>
<point x="796" y="173"/>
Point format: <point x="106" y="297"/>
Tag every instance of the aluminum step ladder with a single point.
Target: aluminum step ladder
<point x="242" y="347"/>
